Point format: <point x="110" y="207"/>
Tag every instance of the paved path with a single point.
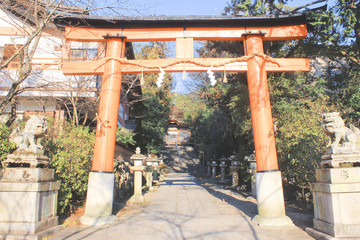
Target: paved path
<point x="182" y="209"/>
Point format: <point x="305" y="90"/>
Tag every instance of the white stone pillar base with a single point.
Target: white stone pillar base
<point x="95" y="221"/>
<point x="270" y="198"/>
<point x="272" y="222"/>
<point x="99" y="199"/>
<point x="137" y="198"/>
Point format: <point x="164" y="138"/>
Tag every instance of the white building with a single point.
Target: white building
<point x="47" y="88"/>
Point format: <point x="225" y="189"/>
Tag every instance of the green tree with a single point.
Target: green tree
<point x="153" y="124"/>
<point x="335" y="37"/>
<point x="154" y="109"/>
<point x="257" y="7"/>
<point x="190" y="104"/>
<point x="297" y="105"/>
<point x="156" y="50"/>
<point x="211" y="134"/>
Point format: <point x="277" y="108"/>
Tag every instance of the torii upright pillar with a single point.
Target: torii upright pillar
<point x="269" y="191"/>
<point x="99" y="199"/>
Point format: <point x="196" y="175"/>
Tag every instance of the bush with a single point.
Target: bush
<point x="5" y="145"/>
<point x="300" y="141"/>
<point x="70" y="153"/>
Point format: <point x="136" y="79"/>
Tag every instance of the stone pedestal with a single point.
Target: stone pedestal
<point x="99" y="199"/>
<point x="137" y="197"/>
<point x="340" y="157"/>
<point x="28" y="203"/>
<point x="235" y="175"/>
<point x="26" y="160"/>
<point x="270" y="200"/>
<point x="336" y="203"/>
<point x="213" y="172"/>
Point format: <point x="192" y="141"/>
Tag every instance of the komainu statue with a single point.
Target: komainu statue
<point x="28" y="140"/>
<point x="340" y="136"/>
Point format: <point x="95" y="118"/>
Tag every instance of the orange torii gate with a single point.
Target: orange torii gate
<point x="252" y="31"/>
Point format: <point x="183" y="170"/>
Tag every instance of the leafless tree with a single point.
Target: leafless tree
<point x="31" y="20"/>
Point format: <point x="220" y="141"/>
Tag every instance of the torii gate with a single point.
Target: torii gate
<point x="115" y="32"/>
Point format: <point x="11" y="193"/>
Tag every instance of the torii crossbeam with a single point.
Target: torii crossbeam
<point x="185" y="30"/>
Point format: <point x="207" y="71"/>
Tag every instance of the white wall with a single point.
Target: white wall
<point x="47" y="51"/>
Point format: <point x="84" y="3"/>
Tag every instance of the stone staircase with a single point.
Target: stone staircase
<point x="182" y="159"/>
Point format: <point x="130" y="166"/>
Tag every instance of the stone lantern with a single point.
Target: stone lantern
<point x="202" y="157"/>
<point x="150" y="162"/>
<point x="156" y="169"/>
<point x="138" y="167"/>
<point x="208" y="163"/>
<point x="223" y="166"/>
<point x="161" y="160"/>
<point x="213" y="165"/>
<point x="252" y="170"/>
<point x="234" y="169"/>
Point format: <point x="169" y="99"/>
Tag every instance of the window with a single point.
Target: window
<point x="83" y="53"/>
<point x="83" y="50"/>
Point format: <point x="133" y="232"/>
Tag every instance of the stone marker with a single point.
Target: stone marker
<point x="336" y="193"/>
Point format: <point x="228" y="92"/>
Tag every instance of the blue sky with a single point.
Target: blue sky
<point x="181" y="7"/>
<point x="189" y="7"/>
